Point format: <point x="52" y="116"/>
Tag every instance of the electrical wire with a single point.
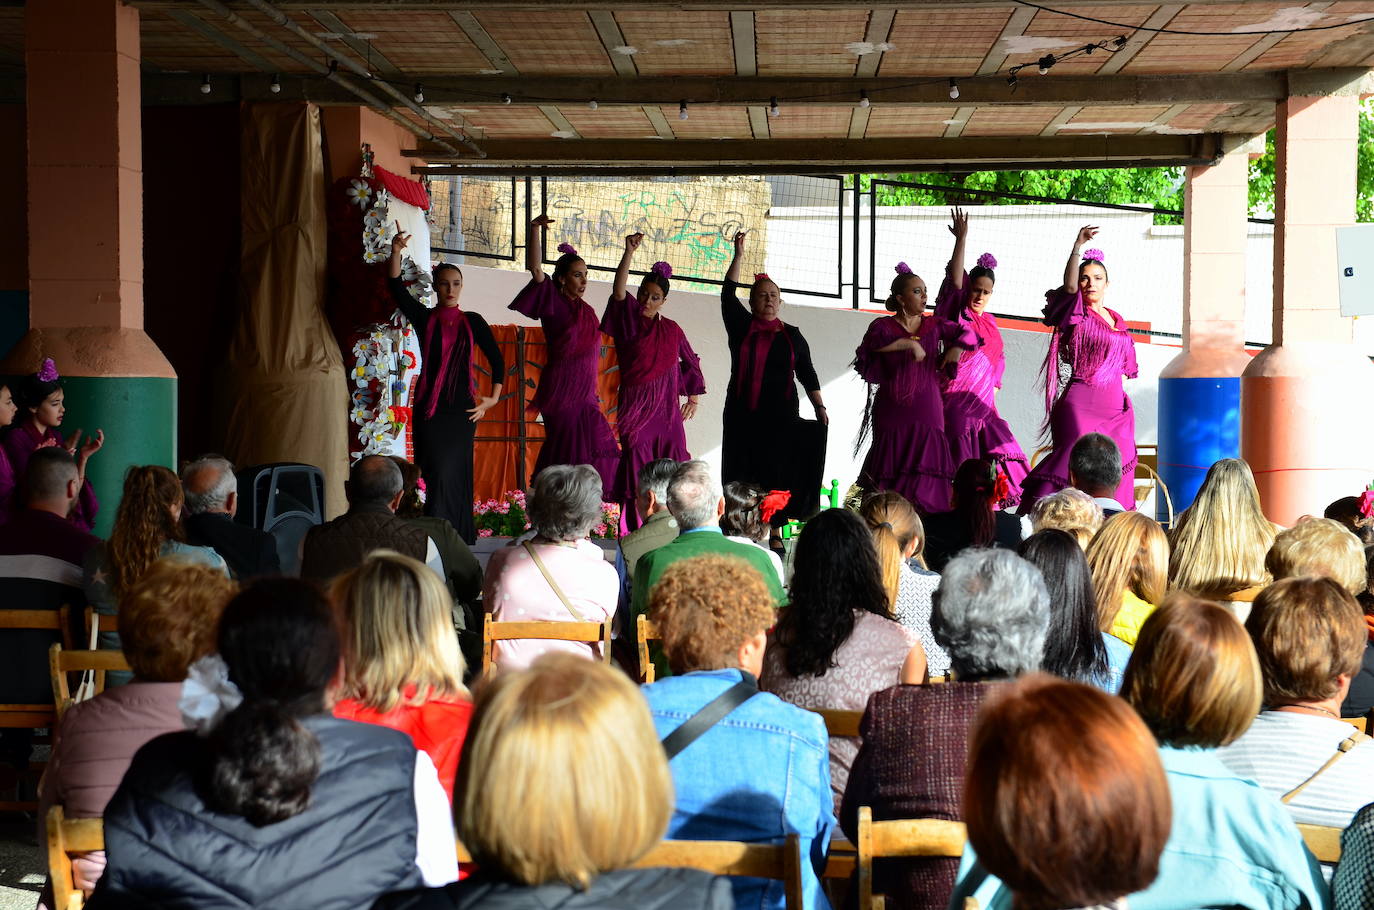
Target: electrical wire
<point x="1179" y="31"/>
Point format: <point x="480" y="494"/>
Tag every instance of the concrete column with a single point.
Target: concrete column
<point x="85" y="227"/>
<point x="1302" y="399"/>
<point x="1199" y="390"/>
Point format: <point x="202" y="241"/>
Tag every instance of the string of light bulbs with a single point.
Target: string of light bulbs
<point x="1161" y="30"/>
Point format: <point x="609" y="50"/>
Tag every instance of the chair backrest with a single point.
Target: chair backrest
<point x="781" y="862"/>
<point x="645" y="632"/>
<point x="65" y="837"/>
<point x="35" y="713"/>
<point x="1325" y="843"/>
<point x="63" y="662"/>
<point x="905" y="837"/>
<point x="589" y="632"/>
<point x="840" y="723"/>
<point x="105" y="622"/>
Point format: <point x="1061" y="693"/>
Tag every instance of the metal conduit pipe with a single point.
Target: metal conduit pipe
<point x="362" y="94"/>
<point x="286" y="22"/>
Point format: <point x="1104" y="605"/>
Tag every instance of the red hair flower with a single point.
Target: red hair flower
<point x="1001" y="489"/>
<point x="1367" y="502"/>
<point x="761" y="276"/>
<point x="771" y="504"/>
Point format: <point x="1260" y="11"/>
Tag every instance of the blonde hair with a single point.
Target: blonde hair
<point x="1129" y="553"/>
<point x="397" y="632"/>
<point x="1219" y="543"/>
<point x="562" y="776"/>
<point x="1070" y="510"/>
<point x="1319" y="546"/>
<point x="894" y="525"/>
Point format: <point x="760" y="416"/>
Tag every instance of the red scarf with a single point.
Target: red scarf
<point x="758" y="341"/>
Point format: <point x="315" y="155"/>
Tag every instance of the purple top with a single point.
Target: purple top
<point x="20" y="442"/>
<point x="980" y="370"/>
<point x="900" y="375"/>
<point x="1098" y="354"/>
<point x="649" y="347"/>
<point x="574" y="345"/>
<point x="7" y="484"/>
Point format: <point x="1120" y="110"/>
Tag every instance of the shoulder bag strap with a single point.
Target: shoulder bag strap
<point x="1345" y="746"/>
<point x="548" y="576"/>
<point x="709" y="715"/>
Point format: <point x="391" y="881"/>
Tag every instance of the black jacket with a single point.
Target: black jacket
<point x="622" y="889"/>
<point x="248" y="551"/>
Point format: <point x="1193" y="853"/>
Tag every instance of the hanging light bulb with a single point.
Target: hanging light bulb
<point x="863" y="98"/>
<point x="773" y="110"/>
<point x="1011" y="80"/>
<point x="953" y="90"/>
<point x="419" y="93"/>
<point x="276" y="84"/>
<point x="592" y="105"/>
<point x="682" y="110"/>
<point x="1045" y="63"/>
<point x="205" y="84"/>
<point x="505" y="98"/>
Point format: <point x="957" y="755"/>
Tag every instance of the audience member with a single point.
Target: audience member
<point x="8" y="479"/>
<point x="559" y="576"/>
<point x="762" y="771"/>
<point x="836" y="642"/>
<point x="562" y="788"/>
<point x="1095" y="468"/>
<point x="1129" y="558"/>
<point x="899" y="538"/>
<point x="402" y="667"/>
<point x="991" y="614"/>
<point x="374" y="490"/>
<point x="269" y="807"/>
<point x="1091" y="802"/>
<point x="167" y="622"/>
<point x="1359" y="701"/>
<point x="743" y="521"/>
<point x="658" y="527"/>
<point x="40" y="398"/>
<point x="1352" y="885"/>
<point x="1346" y="510"/>
<point x="1309" y="635"/>
<point x="1076" y="648"/>
<point x="1068" y="510"/>
<point x="1195" y="681"/>
<point x="1319" y="546"/>
<point x="974" y="521"/>
<point x="1218" y="544"/>
<point x="462" y="571"/>
<point x="212" y="500"/>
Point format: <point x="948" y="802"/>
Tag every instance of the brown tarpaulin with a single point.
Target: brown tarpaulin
<point x="285" y="389"/>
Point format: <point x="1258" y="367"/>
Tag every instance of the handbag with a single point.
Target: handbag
<point x="602" y="653"/>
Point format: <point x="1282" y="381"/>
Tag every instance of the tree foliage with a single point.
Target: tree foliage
<point x="1262" y="171"/>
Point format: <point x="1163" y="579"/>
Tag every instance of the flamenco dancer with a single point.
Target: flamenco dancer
<point x="974" y="427"/>
<point x="447" y="404"/>
<point x="575" y="430"/>
<point x="41" y="408"/>
<point x="1095" y="344"/>
<point x="906" y="355"/>
<point x="765" y="441"/>
<point x="657" y="367"/>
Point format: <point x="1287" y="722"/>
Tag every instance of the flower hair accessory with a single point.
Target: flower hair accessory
<point x="207" y="694"/>
<point x="1093" y="255"/>
<point x="1367" y="502"/>
<point x="761" y="276"/>
<point x="772" y="503"/>
<point x="1001" y="487"/>
<point x="661" y="268"/>
<point x="48" y="371"/>
<point x="568" y="248"/>
<point x="987" y="261"/>
<point x="902" y="268"/>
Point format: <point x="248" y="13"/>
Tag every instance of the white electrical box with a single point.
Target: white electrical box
<point x="1355" y="265"/>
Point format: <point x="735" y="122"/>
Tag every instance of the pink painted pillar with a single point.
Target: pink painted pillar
<point x="1303" y="427"/>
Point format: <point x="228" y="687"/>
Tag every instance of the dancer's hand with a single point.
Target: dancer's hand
<point x="738" y="241"/>
<point x="543" y="221"/>
<point x="689" y="407"/>
<point x="633" y="241"/>
<point x="399" y="242"/>
<point x="958" y="225"/>
<point x="92" y="445"/>
<point x="73" y="442"/>
<point x="918" y="353"/>
<point x="822" y="415"/>
<point x="1086" y="233"/>
<point x="486" y="404"/>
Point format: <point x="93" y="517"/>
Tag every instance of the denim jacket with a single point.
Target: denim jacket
<point x="762" y="772"/>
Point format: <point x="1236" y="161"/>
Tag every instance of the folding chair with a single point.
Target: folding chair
<point x="645" y="632"/>
<point x="781" y="862"/>
<point x="63" y="662"/>
<point x="588" y="632"/>
<point x="904" y="837"/>
<point x="65" y="837"/>
<point x="1325" y="843"/>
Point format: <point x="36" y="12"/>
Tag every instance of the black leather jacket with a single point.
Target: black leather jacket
<point x="623" y="889"/>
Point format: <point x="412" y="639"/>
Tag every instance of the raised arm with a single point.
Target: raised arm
<point x="622" y="272"/>
<point x="732" y="273"/>
<point x="1085" y="233"/>
<point x="959" y="228"/>
<point x="533" y="245"/>
<point x="414" y="311"/>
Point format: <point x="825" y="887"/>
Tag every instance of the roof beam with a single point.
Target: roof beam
<point x="666" y="7"/>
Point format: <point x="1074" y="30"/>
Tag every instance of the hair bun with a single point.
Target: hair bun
<point x="987" y="261"/>
<point x="902" y="268"/>
<point x="1093" y="255"/>
<point x="661" y="268"/>
<point x="567" y="248"/>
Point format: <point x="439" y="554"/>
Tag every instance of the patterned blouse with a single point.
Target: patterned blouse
<point x="914" y="587"/>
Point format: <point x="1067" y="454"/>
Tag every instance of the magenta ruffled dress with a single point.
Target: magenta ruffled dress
<point x="657" y="367"/>
<point x="575" y="431"/>
<point x="974" y="427"/>
<point x="910" y="453"/>
<point x="1093" y="399"/>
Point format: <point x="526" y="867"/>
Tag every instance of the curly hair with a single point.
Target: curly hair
<point x="169" y="619"/>
<point x="705" y="608"/>
<point x="143" y="523"/>
<point x="837" y="575"/>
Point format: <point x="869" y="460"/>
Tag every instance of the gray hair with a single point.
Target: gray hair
<point x="1095" y="464"/>
<point x="991" y="612"/>
<point x="693" y="495"/>
<point x="208" y="496"/>
<point x="654" y="478"/>
<point x="565" y="501"/>
<point x="374" y="479"/>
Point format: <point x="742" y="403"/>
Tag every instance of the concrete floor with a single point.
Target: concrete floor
<point x="22" y="869"/>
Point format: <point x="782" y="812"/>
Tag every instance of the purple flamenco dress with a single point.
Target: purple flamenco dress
<point x="657" y="366"/>
<point x="1093" y="400"/>
<point x="575" y="431"/>
<point x="974" y="427"/>
<point x="910" y="453"/>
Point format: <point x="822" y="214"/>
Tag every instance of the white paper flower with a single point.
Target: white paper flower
<point x="371" y="256"/>
<point x="207" y="694"/>
<point x="359" y="192"/>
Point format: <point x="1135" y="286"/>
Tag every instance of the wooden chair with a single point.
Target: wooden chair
<point x="905" y="837"/>
<point x="34" y="715"/>
<point x="589" y="632"/>
<point x="840" y="723"/>
<point x="108" y="622"/>
<point x="65" y="837"/>
<point x="1325" y="843"/>
<point x="645" y="632"/>
<point x="63" y="662"/>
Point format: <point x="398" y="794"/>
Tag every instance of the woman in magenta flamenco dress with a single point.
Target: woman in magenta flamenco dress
<point x="575" y="430"/>
<point x="906" y="355"/>
<point x="974" y="427"/>
<point x="1095" y="345"/>
<point x="657" y="367"/>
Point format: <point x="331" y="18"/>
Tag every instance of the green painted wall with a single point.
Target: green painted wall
<point x="139" y="417"/>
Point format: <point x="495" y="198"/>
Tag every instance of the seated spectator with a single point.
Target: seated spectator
<point x="1360" y="699"/>
<point x="713" y="613"/>
<point x="1195" y="681"/>
<point x="1075" y="647"/>
<point x="991" y="613"/>
<point x="560" y="575"/>
<point x="1346" y="510"/>
<point x="1309" y="635"/>
<point x="1092" y="802"/>
<point x="40" y="401"/>
<point x="462" y="572"/>
<point x="279" y="804"/>
<point x="743" y="521"/>
<point x="602" y="799"/>
<point x="1129" y="559"/>
<point x="696" y="501"/>
<point x="402" y="667"/>
<point x="899" y="538"/>
<point x="1352" y="885"/>
<point x="212" y="500"/>
<point x="1218" y="544"/>
<point x="658" y="527"/>
<point x="167" y="622"/>
<point x="974" y="520"/>
<point x="374" y="489"/>
<point x="1319" y="546"/>
<point x="8" y="479"/>
<point x="1095" y="468"/>
<point x="1069" y="510"/>
<point x="836" y="642"/>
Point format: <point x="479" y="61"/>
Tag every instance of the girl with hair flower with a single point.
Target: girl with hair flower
<point x="974" y="427"/>
<point x="657" y="366"/>
<point x="575" y="430"/>
<point x="40" y="402"/>
<point x="906" y="356"/>
<point x="1094" y="344"/>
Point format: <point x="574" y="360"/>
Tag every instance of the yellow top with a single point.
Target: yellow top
<point x="1130" y="618"/>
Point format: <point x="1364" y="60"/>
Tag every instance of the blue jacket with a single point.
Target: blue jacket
<point x="761" y="773"/>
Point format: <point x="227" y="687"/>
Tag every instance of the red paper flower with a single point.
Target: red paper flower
<point x="774" y="501"/>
